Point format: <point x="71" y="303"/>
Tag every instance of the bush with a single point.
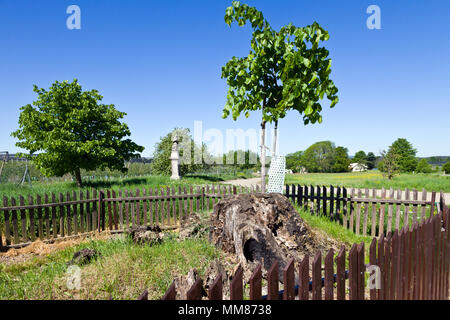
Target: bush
<point x="446" y="168"/>
<point x="423" y="167"/>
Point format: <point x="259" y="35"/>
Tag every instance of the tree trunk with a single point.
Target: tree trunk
<point x="274" y="143"/>
<point x="78" y="177"/>
<point x="263" y="157"/>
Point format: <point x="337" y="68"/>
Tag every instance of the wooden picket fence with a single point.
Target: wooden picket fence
<point x="363" y="211"/>
<point x="47" y="218"/>
<point x="412" y="264"/>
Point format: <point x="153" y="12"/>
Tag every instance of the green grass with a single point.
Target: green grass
<point x="332" y="229"/>
<point x="14" y="190"/>
<point x="373" y="179"/>
<point x="123" y="271"/>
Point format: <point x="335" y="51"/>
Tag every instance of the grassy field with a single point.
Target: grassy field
<point x="373" y="179"/>
<point x="41" y="187"/>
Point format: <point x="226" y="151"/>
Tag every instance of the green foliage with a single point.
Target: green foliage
<point x="161" y="163"/>
<point x="284" y="70"/>
<point x="423" y="167"/>
<point x="389" y="164"/>
<point x="341" y="161"/>
<point x="371" y="160"/>
<point x="406" y="154"/>
<point x="319" y="157"/>
<point x="69" y="130"/>
<point x="446" y="168"/>
<point x="322" y="156"/>
<point x="360" y="157"/>
<point x="294" y="161"/>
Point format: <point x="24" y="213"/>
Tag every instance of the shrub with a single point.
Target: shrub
<point x="423" y="167"/>
<point x="446" y="168"/>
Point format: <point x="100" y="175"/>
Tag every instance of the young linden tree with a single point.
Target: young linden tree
<point x="284" y="70"/>
<point x="70" y="130"/>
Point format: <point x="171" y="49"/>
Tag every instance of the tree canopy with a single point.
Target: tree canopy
<point x="319" y="157"/>
<point x="406" y="154"/>
<point x="389" y="164"/>
<point x="360" y="157"/>
<point x="423" y="166"/>
<point x="285" y="69"/>
<point x="446" y="168"/>
<point x="70" y="130"/>
<point x="371" y="160"/>
<point x="341" y="160"/>
<point x="294" y="161"/>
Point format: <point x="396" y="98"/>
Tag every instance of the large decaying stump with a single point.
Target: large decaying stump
<point x="261" y="228"/>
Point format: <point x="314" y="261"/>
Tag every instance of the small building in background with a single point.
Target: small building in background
<point x="357" y="167"/>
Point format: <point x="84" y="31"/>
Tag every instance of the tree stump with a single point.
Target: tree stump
<point x="261" y="228"/>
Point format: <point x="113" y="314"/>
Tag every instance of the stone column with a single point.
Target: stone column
<point x="174" y="158"/>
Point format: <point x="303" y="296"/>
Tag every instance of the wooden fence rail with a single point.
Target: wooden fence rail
<point x="49" y="217"/>
<point x="367" y="212"/>
<point x="56" y="216"/>
<point x="408" y="264"/>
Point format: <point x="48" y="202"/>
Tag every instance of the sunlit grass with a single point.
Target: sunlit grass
<point x="122" y="271"/>
<point x="373" y="179"/>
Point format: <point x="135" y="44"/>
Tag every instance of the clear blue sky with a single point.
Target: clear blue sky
<point x="160" y="62"/>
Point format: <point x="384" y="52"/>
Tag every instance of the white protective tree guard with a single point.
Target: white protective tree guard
<point x="277" y="171"/>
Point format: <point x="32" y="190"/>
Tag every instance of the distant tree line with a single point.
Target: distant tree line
<point x="324" y="156"/>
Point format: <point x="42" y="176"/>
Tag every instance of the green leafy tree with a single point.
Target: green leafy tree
<point x="371" y="160"/>
<point x="294" y="161"/>
<point x="341" y="160"/>
<point x="319" y="157"/>
<point x="446" y="168"/>
<point x="423" y="166"/>
<point x="406" y="154"/>
<point x="189" y="163"/>
<point x="284" y="70"/>
<point x="70" y="130"/>
<point x="389" y="164"/>
<point x="360" y="157"/>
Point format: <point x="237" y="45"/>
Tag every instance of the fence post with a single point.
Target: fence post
<point x="215" y="292"/>
<point x="361" y="271"/>
<point x="255" y="284"/>
<point x="353" y="272"/>
<point x="1" y="241"/>
<point x="303" y="275"/>
<point x="236" y="286"/>
<point x="101" y="197"/>
<point x="195" y="292"/>
<point x="272" y="282"/>
<point x="171" y="293"/>
<point x="340" y="274"/>
<point x="289" y="281"/>
<point x="203" y="198"/>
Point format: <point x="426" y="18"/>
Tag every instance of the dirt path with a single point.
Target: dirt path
<point x="244" y="182"/>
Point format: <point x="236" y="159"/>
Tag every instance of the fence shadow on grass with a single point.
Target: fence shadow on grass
<point x="104" y="184"/>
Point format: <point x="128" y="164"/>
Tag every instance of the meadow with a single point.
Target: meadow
<point x="373" y="179"/>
